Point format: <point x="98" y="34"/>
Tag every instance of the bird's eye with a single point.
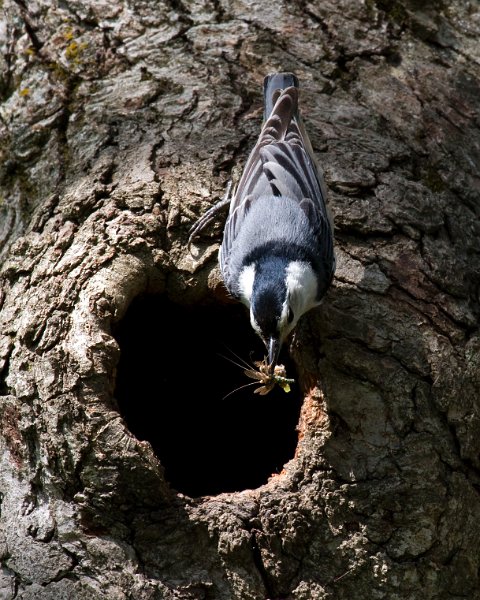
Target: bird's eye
<point x="290" y="315"/>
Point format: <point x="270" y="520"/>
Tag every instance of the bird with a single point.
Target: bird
<point x="277" y="255"/>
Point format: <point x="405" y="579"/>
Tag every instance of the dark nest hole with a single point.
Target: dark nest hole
<point x="173" y="384"/>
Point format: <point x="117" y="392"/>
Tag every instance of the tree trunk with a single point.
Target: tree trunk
<point x="121" y="123"/>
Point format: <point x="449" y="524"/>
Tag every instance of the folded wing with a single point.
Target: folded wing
<point x="282" y="165"/>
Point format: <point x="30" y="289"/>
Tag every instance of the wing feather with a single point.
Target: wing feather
<point x="281" y="164"/>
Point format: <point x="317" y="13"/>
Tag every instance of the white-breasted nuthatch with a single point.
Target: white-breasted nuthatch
<point x="277" y="252"/>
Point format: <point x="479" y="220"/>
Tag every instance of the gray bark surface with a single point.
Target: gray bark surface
<point x="120" y="123"/>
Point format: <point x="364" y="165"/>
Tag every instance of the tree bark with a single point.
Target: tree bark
<point x="121" y="123"/>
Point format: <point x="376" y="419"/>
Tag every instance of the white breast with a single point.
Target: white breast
<point x="302" y="287"/>
<point x="245" y="283"/>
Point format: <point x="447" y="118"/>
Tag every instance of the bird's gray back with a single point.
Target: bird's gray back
<point x="264" y="224"/>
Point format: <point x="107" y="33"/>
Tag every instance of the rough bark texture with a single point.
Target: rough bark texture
<point x="121" y="122"/>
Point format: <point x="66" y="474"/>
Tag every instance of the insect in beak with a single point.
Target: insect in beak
<point x="268" y="376"/>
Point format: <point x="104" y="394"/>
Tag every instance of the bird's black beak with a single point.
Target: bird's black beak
<point x="273" y="351"/>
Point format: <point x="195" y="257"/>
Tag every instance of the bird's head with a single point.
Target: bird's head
<point x="272" y="317"/>
<point x="278" y="293"/>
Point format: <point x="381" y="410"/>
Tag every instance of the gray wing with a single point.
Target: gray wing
<point x="282" y="165"/>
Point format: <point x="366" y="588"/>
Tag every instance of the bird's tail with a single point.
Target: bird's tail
<point x="288" y="120"/>
<point x="272" y="86"/>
